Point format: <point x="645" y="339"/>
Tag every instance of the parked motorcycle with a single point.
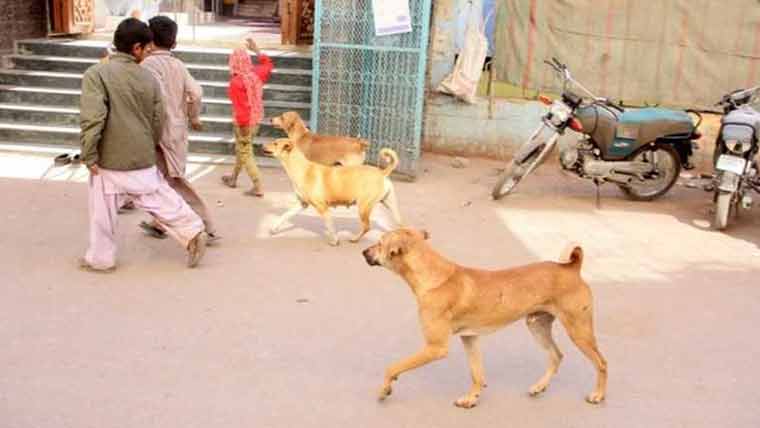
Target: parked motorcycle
<point x="640" y="150"/>
<point x="736" y="169"/>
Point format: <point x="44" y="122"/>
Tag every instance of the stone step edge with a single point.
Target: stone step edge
<point x="193" y="157"/>
<point x="267" y="121"/>
<point x="194" y="137"/>
<point x="93" y="61"/>
<point x="180" y="48"/>
<point x="42" y="89"/>
<point x="78" y="76"/>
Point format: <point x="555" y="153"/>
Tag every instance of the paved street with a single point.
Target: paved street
<point x="287" y="332"/>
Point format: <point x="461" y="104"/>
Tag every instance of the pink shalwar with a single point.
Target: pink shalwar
<point x="151" y="193"/>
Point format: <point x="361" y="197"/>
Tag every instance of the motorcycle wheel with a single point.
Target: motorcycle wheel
<point x="722" y="209"/>
<point x="668" y="162"/>
<point x="507" y="181"/>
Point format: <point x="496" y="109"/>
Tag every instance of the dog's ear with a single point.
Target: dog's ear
<point x="397" y="249"/>
<point x="287" y="146"/>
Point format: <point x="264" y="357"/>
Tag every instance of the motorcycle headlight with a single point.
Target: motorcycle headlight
<point x="737" y="146"/>
<point x="738" y="138"/>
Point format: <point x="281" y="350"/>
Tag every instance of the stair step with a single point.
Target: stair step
<point x="70" y="98"/>
<point x="52" y="79"/>
<point x="67" y="136"/>
<point x="69" y="117"/>
<point x="95" y="49"/>
<point x="283" y="76"/>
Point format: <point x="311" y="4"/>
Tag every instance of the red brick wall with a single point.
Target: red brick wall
<point x="20" y="19"/>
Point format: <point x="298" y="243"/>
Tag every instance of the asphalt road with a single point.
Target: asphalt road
<point x="287" y="332"/>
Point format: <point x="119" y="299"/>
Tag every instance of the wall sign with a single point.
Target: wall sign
<point x="391" y="17"/>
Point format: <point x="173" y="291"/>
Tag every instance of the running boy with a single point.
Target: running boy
<point x="121" y="124"/>
<point x="246" y="92"/>
<point x="182" y="104"/>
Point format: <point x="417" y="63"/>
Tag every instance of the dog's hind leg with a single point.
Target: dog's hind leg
<point x="287" y="216"/>
<point x="475" y="358"/>
<point x="390" y="201"/>
<point x="364" y="215"/>
<point x="580" y="328"/>
<point x="540" y="325"/>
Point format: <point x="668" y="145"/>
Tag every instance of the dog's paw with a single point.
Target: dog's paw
<point x="595" y="398"/>
<point x="385" y="391"/>
<point x="537" y="389"/>
<point x="467" y="402"/>
<point x="333" y="241"/>
<point x="274" y="231"/>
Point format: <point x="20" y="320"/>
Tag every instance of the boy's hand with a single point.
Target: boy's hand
<point x="94" y="170"/>
<point x="196" y="125"/>
<point x="252" y="44"/>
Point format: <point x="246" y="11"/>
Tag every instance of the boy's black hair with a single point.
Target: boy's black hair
<point x="129" y="32"/>
<point x="164" y="31"/>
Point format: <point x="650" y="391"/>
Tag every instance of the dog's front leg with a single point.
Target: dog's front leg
<point x="332" y="237"/>
<point x="275" y="229"/>
<point x="475" y="358"/>
<point x="428" y="354"/>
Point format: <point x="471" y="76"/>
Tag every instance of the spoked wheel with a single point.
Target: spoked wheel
<point x="722" y="209"/>
<point x="667" y="166"/>
<point x="515" y="172"/>
<point x="508" y="180"/>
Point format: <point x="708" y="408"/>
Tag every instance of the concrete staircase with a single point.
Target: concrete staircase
<point x="263" y="9"/>
<point x="39" y="93"/>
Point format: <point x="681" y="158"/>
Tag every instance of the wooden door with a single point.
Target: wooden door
<point x="289" y="17"/>
<point x="72" y="16"/>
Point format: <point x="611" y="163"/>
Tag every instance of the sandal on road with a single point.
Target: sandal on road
<point x="152" y="230"/>
<point x="229" y="181"/>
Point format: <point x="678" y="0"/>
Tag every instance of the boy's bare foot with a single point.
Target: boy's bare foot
<point x="196" y="249"/>
<point x="229" y="181"/>
<point x="213" y="238"/>
<point x="87" y="267"/>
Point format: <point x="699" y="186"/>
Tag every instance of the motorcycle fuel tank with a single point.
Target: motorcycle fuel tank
<point x="618" y="135"/>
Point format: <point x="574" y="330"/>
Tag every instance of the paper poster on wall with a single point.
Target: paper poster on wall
<point x="391" y="17"/>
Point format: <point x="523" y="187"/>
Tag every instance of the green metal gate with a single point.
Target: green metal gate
<point x="370" y="86"/>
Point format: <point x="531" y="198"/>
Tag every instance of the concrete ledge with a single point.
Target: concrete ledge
<point x="454" y="127"/>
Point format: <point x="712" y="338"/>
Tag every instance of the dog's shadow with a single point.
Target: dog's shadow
<point x="346" y="221"/>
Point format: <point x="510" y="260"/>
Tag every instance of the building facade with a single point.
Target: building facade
<point x="21" y="19"/>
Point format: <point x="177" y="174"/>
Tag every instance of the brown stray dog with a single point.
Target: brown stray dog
<point x="323" y="187"/>
<point x="456" y="300"/>
<point x="325" y="149"/>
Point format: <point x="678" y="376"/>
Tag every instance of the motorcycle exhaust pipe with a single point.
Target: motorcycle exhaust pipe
<point x="625" y="181"/>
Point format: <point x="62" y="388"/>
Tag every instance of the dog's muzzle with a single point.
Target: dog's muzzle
<point x="370" y="260"/>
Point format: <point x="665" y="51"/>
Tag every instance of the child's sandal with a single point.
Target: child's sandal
<point x="229" y="181"/>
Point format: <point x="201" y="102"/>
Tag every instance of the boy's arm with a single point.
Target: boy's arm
<point x="240" y="104"/>
<point x="93" y="115"/>
<point x="158" y="112"/>
<point x="194" y="96"/>
<point x="264" y="67"/>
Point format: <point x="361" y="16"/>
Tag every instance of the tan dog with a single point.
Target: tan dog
<point x="323" y="187"/>
<point x="325" y="149"/>
<point x="468" y="302"/>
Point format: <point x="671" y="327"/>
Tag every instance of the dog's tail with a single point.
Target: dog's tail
<point x="392" y="158"/>
<point x="572" y="255"/>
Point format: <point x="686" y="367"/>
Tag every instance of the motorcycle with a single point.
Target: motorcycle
<point x="641" y="150"/>
<point x="736" y="169"/>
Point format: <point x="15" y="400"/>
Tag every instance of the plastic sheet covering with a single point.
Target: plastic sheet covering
<point x="677" y="52"/>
